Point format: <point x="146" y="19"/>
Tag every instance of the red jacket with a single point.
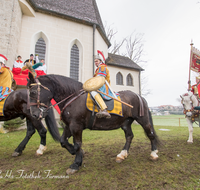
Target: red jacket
<point x="198" y="88"/>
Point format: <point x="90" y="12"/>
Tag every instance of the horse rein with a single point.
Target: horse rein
<point x="42" y="104"/>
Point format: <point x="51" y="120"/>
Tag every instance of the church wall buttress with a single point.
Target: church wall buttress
<point x="11" y="18"/>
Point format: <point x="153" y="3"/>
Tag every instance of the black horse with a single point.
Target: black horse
<point x="16" y="106"/>
<point x="77" y="118"/>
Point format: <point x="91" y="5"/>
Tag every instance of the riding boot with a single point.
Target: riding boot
<point x="99" y="100"/>
<point x="103" y="113"/>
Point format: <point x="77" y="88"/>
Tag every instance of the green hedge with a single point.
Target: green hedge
<point x="13" y="124"/>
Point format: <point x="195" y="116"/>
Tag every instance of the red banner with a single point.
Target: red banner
<point x="195" y="60"/>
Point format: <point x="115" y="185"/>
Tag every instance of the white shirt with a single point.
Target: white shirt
<point x="42" y="68"/>
<point x="17" y="64"/>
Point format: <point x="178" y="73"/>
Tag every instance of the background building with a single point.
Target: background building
<point x="67" y="34"/>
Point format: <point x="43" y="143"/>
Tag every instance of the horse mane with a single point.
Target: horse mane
<point x="63" y="85"/>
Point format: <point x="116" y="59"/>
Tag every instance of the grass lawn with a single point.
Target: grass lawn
<point x="171" y="120"/>
<point x="178" y="165"/>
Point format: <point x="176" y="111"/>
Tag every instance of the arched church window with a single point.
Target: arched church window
<point x="40" y="48"/>
<point x="129" y="80"/>
<point x="119" y="79"/>
<point x="74" y="62"/>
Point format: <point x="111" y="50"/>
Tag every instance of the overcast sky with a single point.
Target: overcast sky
<point x="168" y="27"/>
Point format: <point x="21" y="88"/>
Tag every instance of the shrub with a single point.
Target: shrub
<point x="13" y="124"/>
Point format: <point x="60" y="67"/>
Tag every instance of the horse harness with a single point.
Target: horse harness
<point x="38" y="103"/>
<point x="44" y="108"/>
<point x="42" y="105"/>
<point x="195" y="113"/>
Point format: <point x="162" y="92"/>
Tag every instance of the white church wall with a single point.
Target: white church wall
<point x="135" y="74"/>
<point x="59" y="35"/>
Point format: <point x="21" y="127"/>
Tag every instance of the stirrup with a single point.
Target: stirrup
<point x="103" y="113"/>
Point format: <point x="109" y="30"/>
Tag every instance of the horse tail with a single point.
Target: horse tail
<point x="52" y="125"/>
<point x="152" y="128"/>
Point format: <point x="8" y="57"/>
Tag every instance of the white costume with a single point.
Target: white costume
<point x="18" y="64"/>
<point x="42" y="68"/>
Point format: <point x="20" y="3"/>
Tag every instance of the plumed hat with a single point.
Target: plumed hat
<point x="3" y="58"/>
<point x="100" y="56"/>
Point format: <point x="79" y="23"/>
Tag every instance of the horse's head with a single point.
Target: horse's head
<point x="40" y="97"/>
<point x="189" y="101"/>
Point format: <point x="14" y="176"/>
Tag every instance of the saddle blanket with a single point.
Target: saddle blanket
<point x="117" y="110"/>
<point x="4" y="92"/>
<point x="2" y="103"/>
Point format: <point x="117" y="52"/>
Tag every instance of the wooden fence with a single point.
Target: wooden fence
<point x="172" y="120"/>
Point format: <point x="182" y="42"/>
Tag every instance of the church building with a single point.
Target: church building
<point x="67" y="34"/>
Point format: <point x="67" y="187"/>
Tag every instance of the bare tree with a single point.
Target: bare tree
<point x="110" y="31"/>
<point x="117" y="46"/>
<point x="132" y="47"/>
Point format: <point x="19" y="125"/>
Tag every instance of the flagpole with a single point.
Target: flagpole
<point x="189" y="81"/>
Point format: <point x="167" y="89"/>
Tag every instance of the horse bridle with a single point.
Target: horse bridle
<point x="190" y="110"/>
<point x="39" y="104"/>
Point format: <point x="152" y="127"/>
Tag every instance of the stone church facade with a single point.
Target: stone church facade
<point x="67" y="34"/>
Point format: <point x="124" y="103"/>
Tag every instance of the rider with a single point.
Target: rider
<point x="40" y="66"/>
<point x="6" y="78"/>
<point x="196" y="90"/>
<point x="102" y="70"/>
<point x="31" y="60"/>
<point x="18" y="63"/>
<point x="31" y="64"/>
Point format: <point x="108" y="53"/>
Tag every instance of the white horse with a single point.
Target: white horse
<point x="189" y="101"/>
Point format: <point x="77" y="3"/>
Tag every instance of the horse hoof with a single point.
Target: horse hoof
<point x="119" y="160"/>
<point x="41" y="150"/>
<point x="122" y="156"/>
<point x="15" y="154"/>
<point x="70" y="171"/>
<point x="38" y="154"/>
<point x="153" y="158"/>
<point x="189" y="142"/>
<point x="154" y="155"/>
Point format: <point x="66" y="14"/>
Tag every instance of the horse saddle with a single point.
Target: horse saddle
<point x="109" y="103"/>
<point x="113" y="106"/>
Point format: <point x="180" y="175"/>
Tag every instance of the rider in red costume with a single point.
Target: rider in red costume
<point x="196" y="90"/>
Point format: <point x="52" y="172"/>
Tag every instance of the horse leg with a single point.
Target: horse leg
<point x="190" y="128"/>
<point x="64" y="141"/>
<point x="151" y="134"/>
<point x="77" y="137"/>
<point x="126" y="127"/>
<point x="30" y="131"/>
<point x="42" y="132"/>
<point x="37" y="124"/>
